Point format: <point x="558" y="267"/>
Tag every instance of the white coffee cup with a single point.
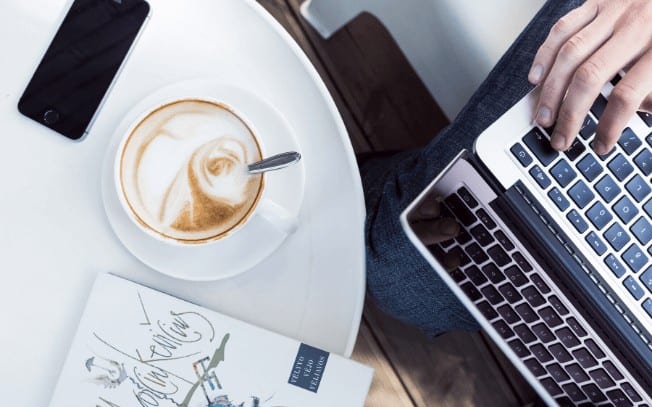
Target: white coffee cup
<point x="179" y="152"/>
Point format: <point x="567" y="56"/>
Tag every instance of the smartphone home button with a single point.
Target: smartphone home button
<point x="50" y="116"/>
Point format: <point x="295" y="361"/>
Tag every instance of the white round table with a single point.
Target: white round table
<point x="55" y="238"/>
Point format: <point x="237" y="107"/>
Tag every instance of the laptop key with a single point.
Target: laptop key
<point x="540" y="177"/>
<point x="588" y="127"/>
<point x="457" y="206"/>
<point x="457" y="275"/>
<point x="594" y="393"/>
<point x="577" y="221"/>
<point x="527" y="313"/>
<point x="558" y="199"/>
<point x="563" y="173"/>
<point x="617" y="237"/>
<point x="585" y="359"/>
<point x="638" y="188"/>
<point x="647" y="306"/>
<point x="516" y="276"/>
<point x="540" y="284"/>
<point x="551" y="387"/>
<point x="504" y="240"/>
<point x="533" y="297"/>
<point x="493" y="273"/>
<point x="521" y="155"/>
<point x="644" y="162"/>
<point x="482" y="235"/>
<point x="550" y="317"/>
<point x="492" y="295"/>
<point x="599" y="215"/>
<point x="575" y="150"/>
<point x="539" y="144"/>
<point x="476" y="253"/>
<point x="525" y="333"/>
<point x="560" y="353"/>
<point x="634" y="258"/>
<point x="567" y="337"/>
<point x="642" y="230"/>
<point x="557" y="373"/>
<point x="607" y="188"/>
<point x="457" y="253"/>
<point x="498" y="255"/>
<point x="522" y="263"/>
<point x="543" y="333"/>
<point x="486" y="219"/>
<point x="599" y="106"/>
<point x="508" y="314"/>
<point x="519" y="348"/>
<point x="615" y="265"/>
<point x="601" y="378"/>
<point x="589" y="167"/>
<point x="613" y="371"/>
<point x="618" y="398"/>
<point x="468" y="199"/>
<point x="471" y="291"/>
<point x="629" y="141"/>
<point x="646" y="279"/>
<point x="573" y="392"/>
<point x="510" y="293"/>
<point x="463" y="238"/>
<point x="577" y="373"/>
<point x="576" y="327"/>
<point x="503" y="329"/>
<point x="646" y="117"/>
<point x="581" y="194"/>
<point x="625" y="209"/>
<point x="541" y="353"/>
<point x="634" y="288"/>
<point x="475" y="275"/>
<point x="631" y="393"/>
<point x="620" y="167"/>
<point x="535" y="367"/>
<point x="557" y="305"/>
<point x="596" y="243"/>
<point x="487" y="310"/>
<point x="614" y="81"/>
<point x="594" y="348"/>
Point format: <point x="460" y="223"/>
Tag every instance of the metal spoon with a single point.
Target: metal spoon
<point x="275" y="162"/>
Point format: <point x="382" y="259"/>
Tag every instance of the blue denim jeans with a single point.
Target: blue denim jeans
<point x="399" y="280"/>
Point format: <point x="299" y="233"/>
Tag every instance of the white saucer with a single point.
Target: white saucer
<point x="248" y="246"/>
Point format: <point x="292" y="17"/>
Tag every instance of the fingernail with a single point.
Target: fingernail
<point x="535" y="74"/>
<point x="544" y="116"/>
<point x="449" y="227"/>
<point x="558" y="142"/>
<point x="600" y="148"/>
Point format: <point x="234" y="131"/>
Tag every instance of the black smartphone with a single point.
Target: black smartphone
<point x="81" y="63"/>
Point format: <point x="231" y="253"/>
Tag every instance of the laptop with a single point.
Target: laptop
<point x="555" y="253"/>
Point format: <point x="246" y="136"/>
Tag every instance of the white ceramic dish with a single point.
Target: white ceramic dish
<point x="258" y="238"/>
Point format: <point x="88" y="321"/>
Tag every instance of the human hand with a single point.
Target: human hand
<point x="432" y="228"/>
<point x="585" y="49"/>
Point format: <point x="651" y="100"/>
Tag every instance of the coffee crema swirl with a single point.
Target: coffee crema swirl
<point x="184" y="171"/>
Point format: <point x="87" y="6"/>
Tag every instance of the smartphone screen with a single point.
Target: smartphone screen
<point x="81" y="63"/>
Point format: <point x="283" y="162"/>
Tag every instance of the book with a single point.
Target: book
<point x="139" y="347"/>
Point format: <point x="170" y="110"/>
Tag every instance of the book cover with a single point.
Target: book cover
<point x="139" y="347"/>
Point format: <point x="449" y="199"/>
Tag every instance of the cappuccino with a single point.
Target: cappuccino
<point x="183" y="171"/>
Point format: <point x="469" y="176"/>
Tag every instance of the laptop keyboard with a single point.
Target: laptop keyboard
<point x="607" y="199"/>
<point x="530" y="313"/>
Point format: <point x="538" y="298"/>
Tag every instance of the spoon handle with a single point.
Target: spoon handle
<point x="275" y="162"/>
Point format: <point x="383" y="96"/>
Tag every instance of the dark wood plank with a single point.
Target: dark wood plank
<point x="386" y="388"/>
<point x="452" y="370"/>
<point x="286" y="16"/>
<point x="383" y="91"/>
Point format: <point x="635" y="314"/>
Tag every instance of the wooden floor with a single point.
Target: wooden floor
<point x="386" y="107"/>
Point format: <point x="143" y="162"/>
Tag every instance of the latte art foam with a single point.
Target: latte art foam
<point x="184" y="171"/>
